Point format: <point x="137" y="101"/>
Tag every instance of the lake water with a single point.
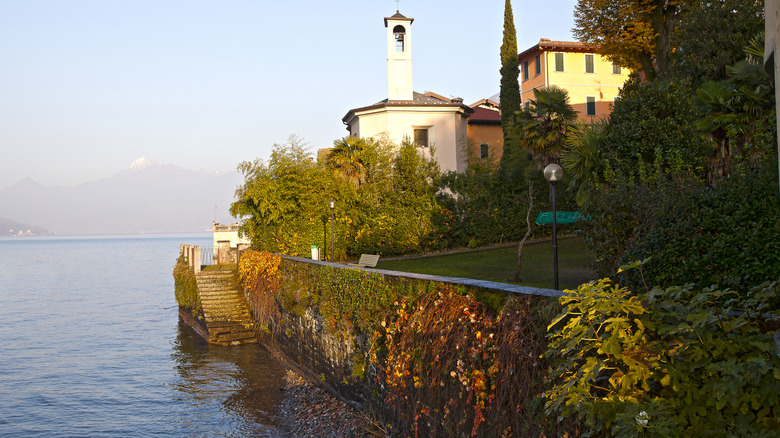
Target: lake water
<point x="91" y="345"/>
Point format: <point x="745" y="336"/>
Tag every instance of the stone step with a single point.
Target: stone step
<point x="220" y="292"/>
<point x="228" y="337"/>
<point x="234" y="305"/>
<point x="215" y="295"/>
<point x="227" y="316"/>
<point x="217" y="273"/>
<point x="235" y="328"/>
<point x="222" y="325"/>
<point x="235" y="302"/>
<point x="224" y="320"/>
<point x="217" y="280"/>
<point x="212" y="286"/>
<point x="225" y="308"/>
<point x="232" y="280"/>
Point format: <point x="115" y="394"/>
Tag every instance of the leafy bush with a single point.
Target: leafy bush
<point x="651" y="134"/>
<point x="186" y="287"/>
<point x="728" y="235"/>
<point x="671" y="362"/>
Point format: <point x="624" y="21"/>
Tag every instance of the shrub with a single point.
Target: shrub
<point x="186" y="287"/>
<point x="651" y="134"/>
<point x="671" y="362"/>
<point x="728" y="235"/>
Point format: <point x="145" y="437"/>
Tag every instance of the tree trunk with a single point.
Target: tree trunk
<point x="527" y="232"/>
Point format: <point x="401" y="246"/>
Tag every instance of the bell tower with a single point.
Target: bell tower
<point x="399" y="57"/>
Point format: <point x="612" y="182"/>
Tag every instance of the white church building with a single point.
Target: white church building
<point x="432" y="121"/>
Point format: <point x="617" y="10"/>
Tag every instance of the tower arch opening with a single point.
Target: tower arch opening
<point x="400" y="33"/>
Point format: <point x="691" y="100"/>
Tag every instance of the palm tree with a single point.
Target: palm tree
<point x="542" y="126"/>
<point x="581" y="161"/>
<point x="346" y="161"/>
<point x="734" y="110"/>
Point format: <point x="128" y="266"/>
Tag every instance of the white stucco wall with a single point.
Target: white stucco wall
<point x="228" y="232"/>
<point x="446" y="130"/>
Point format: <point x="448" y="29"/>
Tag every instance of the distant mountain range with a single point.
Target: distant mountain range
<point x="145" y="198"/>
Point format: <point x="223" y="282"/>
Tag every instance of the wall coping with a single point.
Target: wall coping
<point x="484" y="284"/>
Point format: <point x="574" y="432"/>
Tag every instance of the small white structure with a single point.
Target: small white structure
<point x="428" y="119"/>
<point x="229" y="233"/>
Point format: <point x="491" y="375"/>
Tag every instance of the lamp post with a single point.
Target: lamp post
<point x="553" y="173"/>
<point x="332" y="206"/>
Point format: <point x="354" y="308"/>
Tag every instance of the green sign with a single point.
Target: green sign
<point x="561" y="217"/>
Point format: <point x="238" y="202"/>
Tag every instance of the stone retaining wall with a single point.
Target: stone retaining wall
<point x="303" y="343"/>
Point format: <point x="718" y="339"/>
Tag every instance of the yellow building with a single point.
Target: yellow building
<point x="592" y="81"/>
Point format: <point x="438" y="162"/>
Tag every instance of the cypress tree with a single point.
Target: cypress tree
<point x="510" y="88"/>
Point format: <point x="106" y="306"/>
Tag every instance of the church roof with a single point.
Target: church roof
<point x="429" y="99"/>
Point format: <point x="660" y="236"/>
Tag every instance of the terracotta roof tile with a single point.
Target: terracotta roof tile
<point x="545" y="44"/>
<point x="484" y="115"/>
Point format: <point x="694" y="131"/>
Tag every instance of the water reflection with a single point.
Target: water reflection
<point x="243" y="382"/>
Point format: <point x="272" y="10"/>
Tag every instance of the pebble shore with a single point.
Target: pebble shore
<point x="309" y="411"/>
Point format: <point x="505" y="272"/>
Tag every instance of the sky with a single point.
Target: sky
<point x="89" y="86"/>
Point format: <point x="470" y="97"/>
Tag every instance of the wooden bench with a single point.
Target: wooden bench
<point x="366" y="261"/>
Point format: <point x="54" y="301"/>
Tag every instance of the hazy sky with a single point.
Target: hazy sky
<point x="88" y="86"/>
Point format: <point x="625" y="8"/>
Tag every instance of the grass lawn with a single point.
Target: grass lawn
<point x="499" y="264"/>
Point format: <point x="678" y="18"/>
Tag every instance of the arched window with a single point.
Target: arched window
<point x="399" y="32"/>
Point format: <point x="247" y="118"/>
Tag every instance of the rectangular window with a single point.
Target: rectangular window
<point x="538" y="62"/>
<point x="525" y="70"/>
<point x="421" y="138"/>
<point x="484" y="150"/>
<point x="589" y="63"/>
<point x="559" y="61"/>
<point x="616" y="70"/>
<point x="527" y="104"/>
<point x="590" y="105"/>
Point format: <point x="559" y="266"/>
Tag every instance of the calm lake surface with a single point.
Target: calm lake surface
<point x="91" y="345"/>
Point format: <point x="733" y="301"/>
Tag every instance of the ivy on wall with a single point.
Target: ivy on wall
<point x="186" y="288"/>
<point x="442" y="359"/>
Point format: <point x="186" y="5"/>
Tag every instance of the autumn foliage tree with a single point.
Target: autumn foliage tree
<point x="633" y="33"/>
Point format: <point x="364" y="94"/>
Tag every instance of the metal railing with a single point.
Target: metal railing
<point x="207" y="256"/>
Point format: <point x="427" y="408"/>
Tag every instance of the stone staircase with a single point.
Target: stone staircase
<point x="228" y="321"/>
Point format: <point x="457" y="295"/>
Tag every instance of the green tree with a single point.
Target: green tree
<point x="710" y="35"/>
<point x="281" y="201"/>
<point x="543" y="126"/>
<point x="510" y="88"/>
